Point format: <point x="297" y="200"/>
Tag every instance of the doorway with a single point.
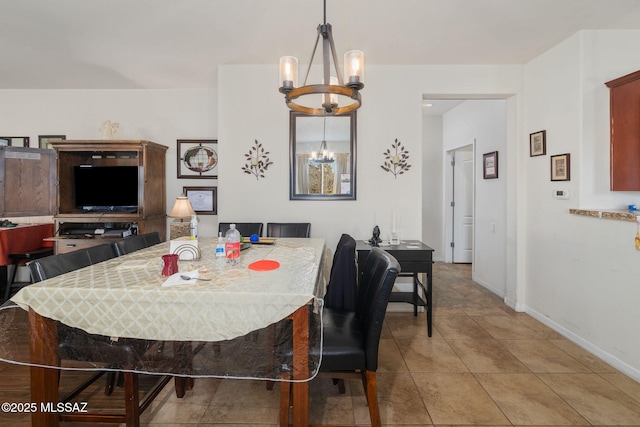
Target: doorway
<point x="462" y="203"/>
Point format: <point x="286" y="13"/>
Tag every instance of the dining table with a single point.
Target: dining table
<point x="210" y="305"/>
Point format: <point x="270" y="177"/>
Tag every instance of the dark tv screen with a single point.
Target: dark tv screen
<point x="106" y="188"/>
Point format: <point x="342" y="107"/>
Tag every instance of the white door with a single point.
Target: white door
<point x="463" y="208"/>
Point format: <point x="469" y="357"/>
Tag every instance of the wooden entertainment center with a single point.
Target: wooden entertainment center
<point x="78" y="228"/>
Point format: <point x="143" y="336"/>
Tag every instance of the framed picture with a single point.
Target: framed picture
<point x="14" y="141"/>
<point x="44" y="141"/>
<point x="561" y="167"/>
<point x="538" y="143"/>
<point x="490" y="165"/>
<point x="197" y="158"/>
<point x="204" y="200"/>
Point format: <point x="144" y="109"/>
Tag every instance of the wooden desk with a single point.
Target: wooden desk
<point x="131" y="289"/>
<point x="20" y="239"/>
<point x="414" y="257"/>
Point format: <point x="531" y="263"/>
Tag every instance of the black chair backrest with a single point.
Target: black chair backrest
<point x="100" y="253"/>
<point x="55" y="265"/>
<point x="288" y="229"/>
<point x="246" y="229"/>
<point x="135" y="243"/>
<point x="378" y="278"/>
<point x="343" y="280"/>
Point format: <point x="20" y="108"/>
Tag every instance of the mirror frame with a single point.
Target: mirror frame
<point x="293" y="116"/>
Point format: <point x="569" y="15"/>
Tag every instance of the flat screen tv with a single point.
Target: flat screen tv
<point x="106" y="188"/>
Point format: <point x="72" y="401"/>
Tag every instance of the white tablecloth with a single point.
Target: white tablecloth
<point x="124" y="297"/>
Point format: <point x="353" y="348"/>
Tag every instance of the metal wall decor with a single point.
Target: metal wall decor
<point x="197" y="158"/>
<point x="257" y="161"/>
<point x="396" y="159"/>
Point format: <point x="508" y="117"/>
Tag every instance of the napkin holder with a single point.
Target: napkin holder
<point x="186" y="249"/>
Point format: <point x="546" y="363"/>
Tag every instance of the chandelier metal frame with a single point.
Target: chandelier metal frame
<point x="328" y="91"/>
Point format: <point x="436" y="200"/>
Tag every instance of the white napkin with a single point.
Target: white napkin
<point x="175" y="279"/>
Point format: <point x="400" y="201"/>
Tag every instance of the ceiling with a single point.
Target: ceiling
<point x="111" y="44"/>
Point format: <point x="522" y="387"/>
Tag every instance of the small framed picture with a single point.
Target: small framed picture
<point x="44" y="141"/>
<point x="538" y="143"/>
<point x="561" y="167"/>
<point x="204" y="200"/>
<point x="14" y="141"/>
<point x="197" y="158"/>
<point x="490" y="165"/>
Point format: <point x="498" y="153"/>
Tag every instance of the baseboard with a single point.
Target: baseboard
<point x="588" y="346"/>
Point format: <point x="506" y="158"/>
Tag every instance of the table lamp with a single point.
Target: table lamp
<point x="181" y="209"/>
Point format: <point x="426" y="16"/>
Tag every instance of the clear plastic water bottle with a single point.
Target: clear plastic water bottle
<point x="193" y="227"/>
<point x="220" y="246"/>
<point x="232" y="245"/>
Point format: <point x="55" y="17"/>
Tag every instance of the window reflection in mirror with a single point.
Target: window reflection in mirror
<point x="322" y="152"/>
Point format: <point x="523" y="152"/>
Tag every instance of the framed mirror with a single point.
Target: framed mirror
<point x="322" y="157"/>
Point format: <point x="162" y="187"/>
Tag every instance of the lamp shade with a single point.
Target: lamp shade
<point x="354" y="67"/>
<point x="182" y="208"/>
<point x="289" y="72"/>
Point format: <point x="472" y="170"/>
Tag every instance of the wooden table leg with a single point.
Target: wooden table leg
<point x="301" y="367"/>
<point x="44" y="381"/>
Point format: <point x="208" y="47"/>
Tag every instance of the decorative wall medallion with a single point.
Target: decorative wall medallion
<point x="197" y="158"/>
<point x="396" y="159"/>
<point x="257" y="161"/>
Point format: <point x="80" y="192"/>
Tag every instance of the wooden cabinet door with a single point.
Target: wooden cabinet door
<point x="625" y="132"/>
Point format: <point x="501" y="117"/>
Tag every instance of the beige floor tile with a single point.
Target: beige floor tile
<point x="242" y="413"/>
<point x="230" y="392"/>
<point x="526" y="400"/>
<point x="487" y="311"/>
<point x="507" y="328"/>
<point x="586" y="358"/>
<point x="181" y="412"/>
<point x="390" y="358"/>
<point x="398" y="398"/>
<point x="430" y="356"/>
<point x="624" y="383"/>
<point x="457" y="399"/>
<point x="595" y="399"/>
<point x="403" y="325"/>
<point x="327" y="406"/>
<point x="487" y="356"/>
<point x="543" y="357"/>
<point x="460" y="328"/>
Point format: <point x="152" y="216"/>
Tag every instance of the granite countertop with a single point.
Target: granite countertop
<point x="617" y="214"/>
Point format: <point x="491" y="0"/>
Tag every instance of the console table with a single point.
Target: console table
<point x="414" y="257"/>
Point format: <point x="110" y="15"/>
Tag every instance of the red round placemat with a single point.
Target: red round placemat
<point x="264" y="265"/>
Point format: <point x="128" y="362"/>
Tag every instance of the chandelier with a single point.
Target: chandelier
<point x="323" y="155"/>
<point x="332" y="88"/>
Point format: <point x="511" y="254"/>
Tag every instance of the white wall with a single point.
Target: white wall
<point x="161" y="116"/>
<point x="433" y="186"/>
<point x="484" y="121"/>
<point x="581" y="273"/>
<point x="391" y="109"/>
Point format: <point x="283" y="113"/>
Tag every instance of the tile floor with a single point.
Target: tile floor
<point x="485" y="365"/>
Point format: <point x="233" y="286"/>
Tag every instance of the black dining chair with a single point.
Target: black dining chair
<point x="288" y="229"/>
<point x="343" y="279"/>
<point x="351" y="337"/>
<point x="246" y="229"/>
<point x="135" y="243"/>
